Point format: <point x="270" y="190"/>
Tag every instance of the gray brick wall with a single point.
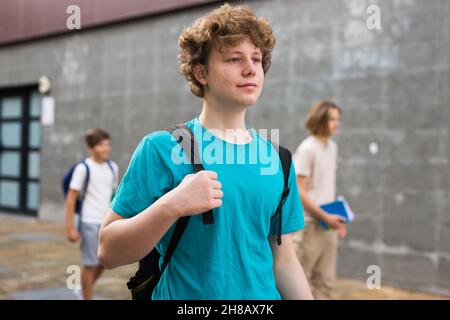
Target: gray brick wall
<point x="392" y="84"/>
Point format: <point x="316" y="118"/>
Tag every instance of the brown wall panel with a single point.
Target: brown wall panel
<point x="27" y="19"/>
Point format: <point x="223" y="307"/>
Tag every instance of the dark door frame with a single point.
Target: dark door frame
<point x="25" y="93"/>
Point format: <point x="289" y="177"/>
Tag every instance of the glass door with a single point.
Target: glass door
<point x="20" y="140"/>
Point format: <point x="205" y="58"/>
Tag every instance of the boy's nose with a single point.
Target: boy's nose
<point x="249" y="68"/>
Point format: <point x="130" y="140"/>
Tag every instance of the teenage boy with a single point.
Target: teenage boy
<point x="224" y="55"/>
<point x="102" y="176"/>
<point x="315" y="162"/>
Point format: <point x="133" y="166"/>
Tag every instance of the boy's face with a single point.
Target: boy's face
<point x="334" y="118"/>
<point x="235" y="76"/>
<point x="102" y="150"/>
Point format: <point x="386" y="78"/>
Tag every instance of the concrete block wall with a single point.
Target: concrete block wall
<point x="391" y="83"/>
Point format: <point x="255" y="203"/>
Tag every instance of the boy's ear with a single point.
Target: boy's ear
<point x="200" y="74"/>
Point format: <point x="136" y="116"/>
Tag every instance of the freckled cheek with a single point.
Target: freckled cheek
<point x="218" y="81"/>
<point x="261" y="77"/>
<point x="261" y="81"/>
<point x="226" y="83"/>
<point x="260" y="89"/>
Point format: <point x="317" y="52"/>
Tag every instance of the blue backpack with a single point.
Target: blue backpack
<point x="68" y="177"/>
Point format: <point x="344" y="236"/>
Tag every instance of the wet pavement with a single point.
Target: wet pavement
<point x="35" y="257"/>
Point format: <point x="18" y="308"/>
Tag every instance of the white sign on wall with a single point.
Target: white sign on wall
<point x="48" y="111"/>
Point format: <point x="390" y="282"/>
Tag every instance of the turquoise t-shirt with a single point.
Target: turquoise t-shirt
<point x="232" y="258"/>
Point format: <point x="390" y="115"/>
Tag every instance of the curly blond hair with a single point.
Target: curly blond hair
<point x="224" y="27"/>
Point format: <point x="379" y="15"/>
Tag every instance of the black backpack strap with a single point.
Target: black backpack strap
<point x="286" y="160"/>
<point x="174" y="240"/>
<point x="186" y="139"/>
<point x="184" y="136"/>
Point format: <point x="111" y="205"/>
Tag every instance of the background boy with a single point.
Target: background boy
<point x="102" y="181"/>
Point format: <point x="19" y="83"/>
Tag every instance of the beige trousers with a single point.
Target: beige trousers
<point x="316" y="250"/>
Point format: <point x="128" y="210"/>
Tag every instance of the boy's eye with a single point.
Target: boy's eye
<point x="256" y="60"/>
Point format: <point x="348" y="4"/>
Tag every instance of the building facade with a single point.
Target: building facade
<point x="119" y="72"/>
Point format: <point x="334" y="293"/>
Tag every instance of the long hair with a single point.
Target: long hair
<point x="318" y="116"/>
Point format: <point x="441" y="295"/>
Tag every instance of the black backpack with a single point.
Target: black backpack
<point x="142" y="284"/>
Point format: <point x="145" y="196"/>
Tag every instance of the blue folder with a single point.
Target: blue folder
<point x="339" y="207"/>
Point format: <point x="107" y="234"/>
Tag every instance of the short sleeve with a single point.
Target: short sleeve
<point x="145" y="180"/>
<point x="78" y="177"/>
<point x="292" y="211"/>
<point x="302" y="160"/>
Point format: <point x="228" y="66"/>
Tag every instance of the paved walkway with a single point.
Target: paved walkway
<point x="35" y="255"/>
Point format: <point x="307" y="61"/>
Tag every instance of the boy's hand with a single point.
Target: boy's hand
<point x="334" y="221"/>
<point x="197" y="193"/>
<point x="342" y="232"/>
<point x="73" y="235"/>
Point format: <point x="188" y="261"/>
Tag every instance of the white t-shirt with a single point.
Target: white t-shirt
<point x="101" y="184"/>
<point x="317" y="161"/>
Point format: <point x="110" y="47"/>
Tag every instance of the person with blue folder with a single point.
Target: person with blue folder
<point x="315" y="162"/>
